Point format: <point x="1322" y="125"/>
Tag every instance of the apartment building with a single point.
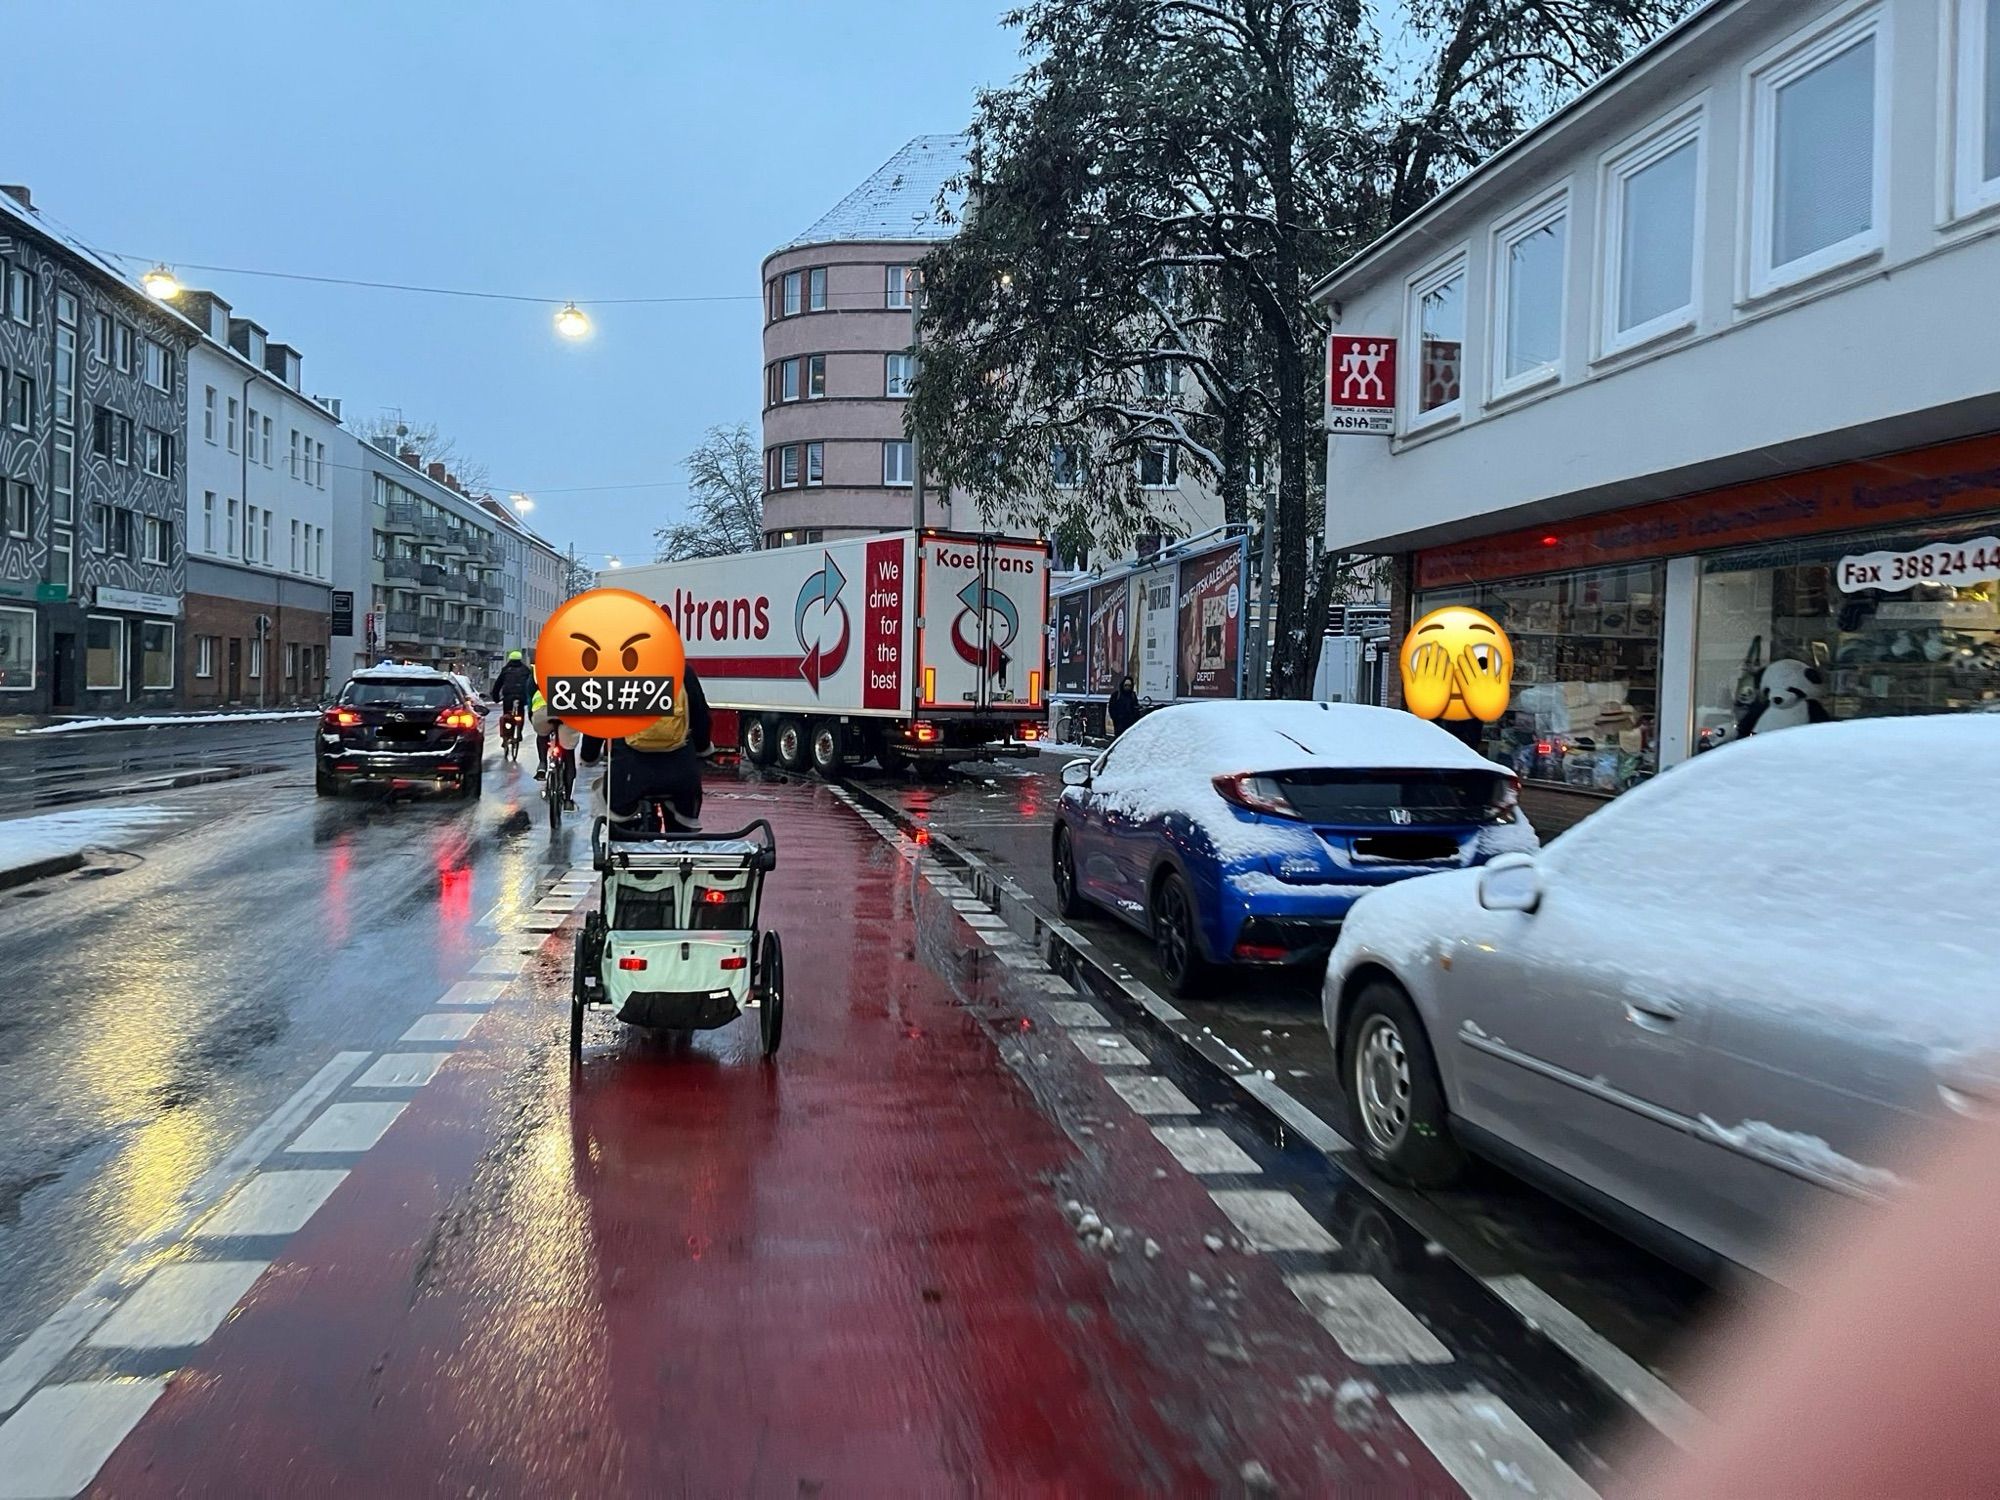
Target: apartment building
<point x="1694" y="387"/>
<point x="531" y="579"/>
<point x="93" y="416"/>
<point x="259" y="516"/>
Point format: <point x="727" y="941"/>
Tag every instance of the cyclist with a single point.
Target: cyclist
<point x="513" y="686"/>
<point x="545" y="724"/>
<point x="661" y="763"/>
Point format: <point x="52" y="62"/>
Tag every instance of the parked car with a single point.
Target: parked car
<point x="1740" y="992"/>
<point x="1241" y="833"/>
<point x="396" y="726"/>
<point x="479" y="701"/>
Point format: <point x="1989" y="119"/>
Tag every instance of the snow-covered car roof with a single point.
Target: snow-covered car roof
<point x="408" y="671"/>
<point x="1214" y="739"/>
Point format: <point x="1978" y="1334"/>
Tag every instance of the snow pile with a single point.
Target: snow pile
<point x="153" y="721"/>
<point x="27" y="841"/>
<point x="1517" y="837"/>
<point x="1167" y="762"/>
<point x="404" y="669"/>
<point x="1788" y="1147"/>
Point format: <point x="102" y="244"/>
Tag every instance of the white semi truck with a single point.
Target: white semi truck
<point x="911" y="646"/>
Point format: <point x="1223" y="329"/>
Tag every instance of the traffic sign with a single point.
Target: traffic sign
<point x="1360" y="384"/>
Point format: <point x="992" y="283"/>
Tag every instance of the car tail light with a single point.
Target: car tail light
<point x="341" y="718"/>
<point x="1261" y="953"/>
<point x="630" y="961"/>
<point x="736" y="961"/>
<point x="924" y="733"/>
<point x="1506" y="803"/>
<point x="1254" y="793"/>
<point x="459" y="718"/>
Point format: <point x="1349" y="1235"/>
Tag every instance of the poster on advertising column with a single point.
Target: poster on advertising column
<point x="1210" y="623"/>
<point x="1072" y="643"/>
<point x="1156" y="636"/>
<point x="1108" y="635"/>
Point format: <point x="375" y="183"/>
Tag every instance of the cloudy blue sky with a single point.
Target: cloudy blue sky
<point x="587" y="148"/>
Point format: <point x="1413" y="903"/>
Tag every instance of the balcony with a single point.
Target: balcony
<point x="401" y="624"/>
<point x="430" y="578"/>
<point x="402" y="567"/>
<point x="430" y="628"/>
<point x="457" y="583"/>
<point x="489" y="548"/>
<point x="492" y="593"/>
<point x="459" y="539"/>
<point x="432" y="528"/>
<point x="400" y="519"/>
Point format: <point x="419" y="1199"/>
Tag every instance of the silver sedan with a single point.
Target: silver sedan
<point x="1743" y="992"/>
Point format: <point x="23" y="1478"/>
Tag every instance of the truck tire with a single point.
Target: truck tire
<point x="793" y="748"/>
<point x="757" y="739"/>
<point x="829" y="754"/>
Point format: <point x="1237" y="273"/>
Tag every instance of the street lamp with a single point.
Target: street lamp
<point x="571" y="323"/>
<point x="521" y="503"/>
<point x="161" y="283"/>
<point x="610" y="561"/>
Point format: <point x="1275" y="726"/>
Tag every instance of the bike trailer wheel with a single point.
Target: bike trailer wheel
<point x="771" y="1001"/>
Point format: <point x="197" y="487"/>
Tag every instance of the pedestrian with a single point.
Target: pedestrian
<point x="1124" y="707"/>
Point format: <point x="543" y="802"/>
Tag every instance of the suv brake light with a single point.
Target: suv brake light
<point x="341" y="718"/>
<point x="1254" y="793"/>
<point x="459" y="718"/>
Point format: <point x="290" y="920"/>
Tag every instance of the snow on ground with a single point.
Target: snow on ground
<point x="150" y="721"/>
<point x="26" y="841"/>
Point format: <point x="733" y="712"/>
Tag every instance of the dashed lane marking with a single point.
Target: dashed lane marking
<point x="56" y="1443"/>
<point x="1366" y="1320"/>
<point x="37" y="1356"/>
<point x="473" y="992"/>
<point x="272" y="1203"/>
<point x="402" y="1070"/>
<point x="996" y="938"/>
<point x="179" y="1306"/>
<point x="1206" y="1151"/>
<point x="441" y="1026"/>
<point x="1111" y="1051"/>
<point x="1075" y="1013"/>
<point x="982" y="920"/>
<point x="347" y="1127"/>
<point x="1149" y="1095"/>
<point x="1273" y="1220"/>
<point x="1287" y="1108"/>
<point x="1489" y="1450"/>
<point x="1644" y="1391"/>
<point x="500" y="962"/>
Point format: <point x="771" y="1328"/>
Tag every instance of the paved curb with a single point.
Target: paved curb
<point x="39" y="869"/>
<point x="171" y="783"/>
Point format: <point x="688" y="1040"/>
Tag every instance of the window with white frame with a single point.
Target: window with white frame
<point x="159" y="540"/>
<point x="159" y="366"/>
<point x="319" y="465"/>
<point x="230" y="428"/>
<point x="815" y="464"/>
<point x="295" y="544"/>
<point x="899" y="374"/>
<point x="208" y="521"/>
<point x="1651" y="218"/>
<point x="229" y="536"/>
<point x="788" y="467"/>
<point x="1977" y="170"/>
<point x="204" y="656"/>
<point x="1159" y="466"/>
<point x="17" y="507"/>
<point x="103" y="653"/>
<point x="159" y="453"/>
<point x="1066" y="466"/>
<point x="815" y="376"/>
<point x="1437" y="333"/>
<point x="793" y="281"/>
<point x="256" y="667"/>
<point x="897" y="467"/>
<point x="267" y="536"/>
<point x="1529" y="257"/>
<point x="816" y="289"/>
<point x="267" y="442"/>
<point x="1159" y="378"/>
<point x="124" y="342"/>
<point x="295" y="453"/>
<point x="208" y="413"/>
<point x="898" y="283"/>
<point x="1818" y="127"/>
<point x="20" y="293"/>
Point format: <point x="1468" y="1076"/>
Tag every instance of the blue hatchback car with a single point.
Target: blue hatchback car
<point x="1241" y="833"/>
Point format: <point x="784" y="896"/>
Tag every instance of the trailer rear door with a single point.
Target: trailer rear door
<point x="984" y="623"/>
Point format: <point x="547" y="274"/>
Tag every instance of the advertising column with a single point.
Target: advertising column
<point x="1210" y="623"/>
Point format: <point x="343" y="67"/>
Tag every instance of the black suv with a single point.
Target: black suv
<point x="398" y="726"/>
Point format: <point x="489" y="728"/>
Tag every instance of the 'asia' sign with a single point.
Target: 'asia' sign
<point x="1360" y="384"/>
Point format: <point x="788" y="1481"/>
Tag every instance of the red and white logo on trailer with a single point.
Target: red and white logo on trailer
<point x="1360" y="383"/>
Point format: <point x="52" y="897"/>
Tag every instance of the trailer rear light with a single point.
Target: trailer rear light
<point x="1030" y="731"/>
<point x="930" y="684"/>
<point x="631" y="962"/>
<point x="1034" y="690"/>
<point x="341" y="718"/>
<point x="924" y="733"/>
<point x="736" y="961"/>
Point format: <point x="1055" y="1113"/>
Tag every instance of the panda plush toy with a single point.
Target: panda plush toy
<point x="1788" y="693"/>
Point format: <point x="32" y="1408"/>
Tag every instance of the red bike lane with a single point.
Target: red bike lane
<point x="684" y="1270"/>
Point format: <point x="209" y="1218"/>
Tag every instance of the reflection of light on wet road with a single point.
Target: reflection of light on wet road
<point x="340" y="857"/>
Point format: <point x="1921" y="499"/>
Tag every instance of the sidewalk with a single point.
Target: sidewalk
<point x="85" y="723"/>
<point x="868" y="1269"/>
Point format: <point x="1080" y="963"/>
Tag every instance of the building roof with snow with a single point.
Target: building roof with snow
<point x="900" y="200"/>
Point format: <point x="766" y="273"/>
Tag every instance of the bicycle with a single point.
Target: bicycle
<point x="510" y="732"/>
<point x="560" y="781"/>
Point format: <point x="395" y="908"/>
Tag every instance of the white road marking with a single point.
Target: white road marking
<point x="272" y="1203"/>
<point x="1644" y="1391"/>
<point x="441" y="1026"/>
<point x="41" y="1351"/>
<point x="1149" y="1095"/>
<point x="1205" y="1150"/>
<point x="1111" y="1051"/>
<point x="980" y="918"/>
<point x="57" y="1442"/>
<point x="1074" y="1013"/>
<point x="1367" y="1321"/>
<point x="996" y="937"/>
<point x="1272" y="1220"/>
<point x="179" y="1306"/>
<point x="506" y="962"/>
<point x="969" y="904"/>
<point x="473" y="992"/>
<point x="1489" y="1450"/>
<point x="1019" y="958"/>
<point x="348" y="1127"/>
<point x="1281" y="1103"/>
<point x="1053" y="984"/>
<point x="402" y="1070"/>
<point x="549" y="923"/>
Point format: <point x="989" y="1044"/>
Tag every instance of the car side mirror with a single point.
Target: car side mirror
<point x="1511" y="882"/>
<point x="1076" y="773"/>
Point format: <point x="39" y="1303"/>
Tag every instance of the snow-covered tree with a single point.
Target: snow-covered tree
<point x="725" y="510"/>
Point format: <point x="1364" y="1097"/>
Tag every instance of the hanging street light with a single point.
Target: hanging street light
<point x="571" y="323"/>
<point x="161" y="283"/>
<point x="521" y="503"/>
<point x="610" y="561"/>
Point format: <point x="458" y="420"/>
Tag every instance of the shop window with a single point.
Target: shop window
<point x="1856" y="627"/>
<point x="17" y="650"/>
<point x="156" y="654"/>
<point x="1585" y="710"/>
<point x="1437" y="331"/>
<point x="1978" y="166"/>
<point x="103" y="653"/>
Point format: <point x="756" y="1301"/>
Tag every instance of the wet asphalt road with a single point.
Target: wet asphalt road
<point x="1495" y="1224"/>
<point x="49" y="770"/>
<point x="165" y="998"/>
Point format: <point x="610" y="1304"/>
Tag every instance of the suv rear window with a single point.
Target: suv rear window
<point x="391" y="692"/>
<point x="1372" y="798"/>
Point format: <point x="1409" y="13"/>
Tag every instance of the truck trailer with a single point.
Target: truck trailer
<point x="914" y="646"/>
